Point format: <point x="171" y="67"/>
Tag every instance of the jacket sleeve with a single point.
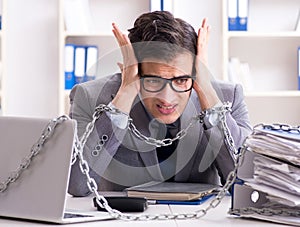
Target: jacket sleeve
<point x="102" y="143"/>
<point x="239" y="127"/>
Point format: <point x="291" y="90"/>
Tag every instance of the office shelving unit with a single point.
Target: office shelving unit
<point x="101" y="35"/>
<point x="2" y="61"/>
<point x="33" y="74"/>
<point x="270" y="47"/>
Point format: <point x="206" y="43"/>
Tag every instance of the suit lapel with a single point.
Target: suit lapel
<point x="147" y="152"/>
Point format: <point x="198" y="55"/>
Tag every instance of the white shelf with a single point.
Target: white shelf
<point x="91" y="34"/>
<point x="274" y="94"/>
<point x="247" y="34"/>
<point x="269" y="47"/>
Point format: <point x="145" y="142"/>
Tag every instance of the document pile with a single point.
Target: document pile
<point x="268" y="180"/>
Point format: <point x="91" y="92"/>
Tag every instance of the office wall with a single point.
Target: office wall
<point x="194" y="11"/>
<point x="31" y="55"/>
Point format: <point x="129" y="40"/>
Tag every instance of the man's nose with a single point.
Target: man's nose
<point x="167" y="93"/>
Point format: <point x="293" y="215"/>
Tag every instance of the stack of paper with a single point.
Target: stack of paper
<point x="275" y="170"/>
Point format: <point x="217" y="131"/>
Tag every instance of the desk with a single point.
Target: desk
<point x="215" y="217"/>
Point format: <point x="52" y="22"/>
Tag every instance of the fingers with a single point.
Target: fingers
<point x="204" y="33"/>
<point x="121" y="38"/>
<point x="125" y="45"/>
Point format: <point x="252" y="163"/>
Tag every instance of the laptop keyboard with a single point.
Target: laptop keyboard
<point x="72" y="215"/>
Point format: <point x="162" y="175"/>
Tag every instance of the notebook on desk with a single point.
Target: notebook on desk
<point x="175" y="191"/>
<point x="40" y="192"/>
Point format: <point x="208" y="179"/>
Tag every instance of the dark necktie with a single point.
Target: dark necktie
<point x="167" y="162"/>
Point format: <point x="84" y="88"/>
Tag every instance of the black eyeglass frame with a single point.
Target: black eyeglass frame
<point x="167" y="81"/>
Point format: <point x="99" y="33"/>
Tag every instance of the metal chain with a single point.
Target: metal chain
<point x="163" y="142"/>
<point x="35" y="150"/>
<point x="282" y="127"/>
<point x="102" y="202"/>
<point x="266" y="211"/>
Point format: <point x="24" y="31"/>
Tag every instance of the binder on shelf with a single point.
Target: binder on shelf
<point x="232" y="9"/>
<point x="242" y="15"/>
<point x="91" y="62"/>
<point x="69" y="66"/>
<point x="155" y="5"/>
<point x="299" y="68"/>
<point x="79" y="70"/>
<point x="167" y="5"/>
<point x="161" y="5"/>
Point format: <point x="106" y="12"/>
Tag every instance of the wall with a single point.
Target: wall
<point x="32" y="69"/>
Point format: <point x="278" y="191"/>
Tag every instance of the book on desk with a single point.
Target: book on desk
<point x="172" y="191"/>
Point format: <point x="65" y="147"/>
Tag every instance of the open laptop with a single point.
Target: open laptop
<point x="40" y="192"/>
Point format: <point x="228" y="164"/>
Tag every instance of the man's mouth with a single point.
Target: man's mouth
<point x="166" y="109"/>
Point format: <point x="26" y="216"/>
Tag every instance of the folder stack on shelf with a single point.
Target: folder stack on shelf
<point x="237" y="15"/>
<point x="80" y="64"/>
<point x="268" y="185"/>
<point x="298" y="68"/>
<point x="162" y="5"/>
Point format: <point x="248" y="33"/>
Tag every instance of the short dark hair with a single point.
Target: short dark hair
<point x="160" y="35"/>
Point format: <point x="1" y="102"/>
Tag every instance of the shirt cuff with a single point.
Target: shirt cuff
<point x="119" y="120"/>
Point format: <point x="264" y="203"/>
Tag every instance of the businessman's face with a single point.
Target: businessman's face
<point x="166" y="100"/>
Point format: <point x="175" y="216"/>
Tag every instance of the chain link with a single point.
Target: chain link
<point x="163" y="142"/>
<point x="92" y="185"/>
<point x="35" y="150"/>
<point x="102" y="202"/>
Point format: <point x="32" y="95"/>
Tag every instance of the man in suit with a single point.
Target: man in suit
<point x="163" y="85"/>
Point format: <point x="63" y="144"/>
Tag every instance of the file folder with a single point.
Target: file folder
<point x="167" y="5"/>
<point x="155" y="5"/>
<point x="69" y="66"/>
<point x="79" y="64"/>
<point x="299" y="68"/>
<point x="232" y="9"/>
<point x="161" y="5"/>
<point x="242" y="15"/>
<point x="91" y="62"/>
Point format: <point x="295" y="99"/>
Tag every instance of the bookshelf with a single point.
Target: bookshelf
<point x="1" y="58"/>
<point x="271" y="51"/>
<point x="269" y="46"/>
<point x="99" y="34"/>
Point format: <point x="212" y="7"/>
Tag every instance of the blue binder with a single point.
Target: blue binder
<point x="237" y="11"/>
<point x="242" y="15"/>
<point x="91" y="62"/>
<point x="69" y="66"/>
<point x="79" y="71"/>
<point x="156" y="5"/>
<point x="232" y="8"/>
<point x="299" y="68"/>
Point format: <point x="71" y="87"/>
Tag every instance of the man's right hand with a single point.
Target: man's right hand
<point x="130" y="85"/>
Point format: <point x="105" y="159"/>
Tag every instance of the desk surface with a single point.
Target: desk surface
<point x="215" y="217"/>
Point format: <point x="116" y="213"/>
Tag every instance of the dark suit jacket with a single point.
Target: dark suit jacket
<point x="119" y="159"/>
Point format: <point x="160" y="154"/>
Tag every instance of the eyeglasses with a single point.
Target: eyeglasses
<point x="153" y="83"/>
